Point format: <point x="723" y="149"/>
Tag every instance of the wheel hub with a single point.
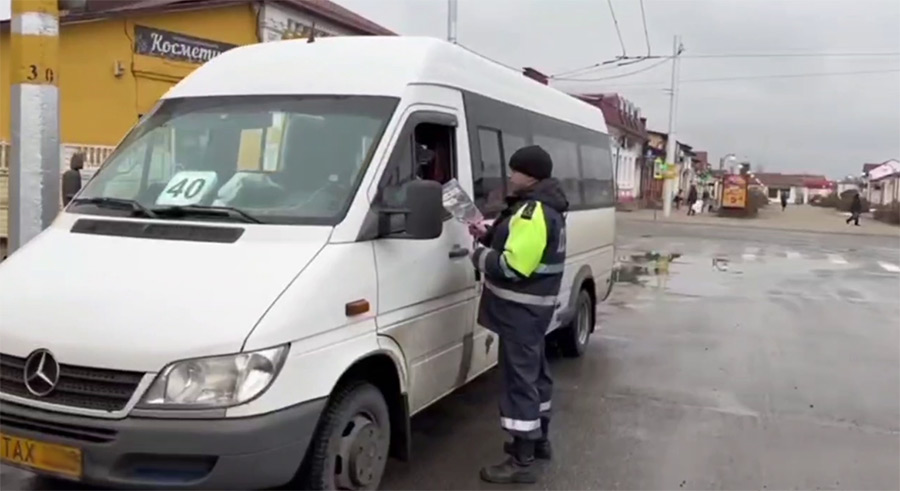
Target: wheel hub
<point x="364" y="455"/>
<point x="360" y="454"/>
<point x="584" y="321"/>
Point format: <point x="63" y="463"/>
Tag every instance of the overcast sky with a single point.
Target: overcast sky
<point x="828" y="124"/>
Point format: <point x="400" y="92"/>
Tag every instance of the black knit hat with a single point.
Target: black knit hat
<point x="532" y="161"/>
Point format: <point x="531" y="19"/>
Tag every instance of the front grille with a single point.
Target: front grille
<point x="46" y="426"/>
<point x="98" y="389"/>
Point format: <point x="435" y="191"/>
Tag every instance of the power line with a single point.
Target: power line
<point x="793" y="55"/>
<point x="790" y="75"/>
<point x="646" y="31"/>
<point x="750" y="77"/>
<point x="621" y="75"/>
<point x="636" y="59"/>
<point x="604" y="65"/>
<point x="618" y="31"/>
<point x="486" y="57"/>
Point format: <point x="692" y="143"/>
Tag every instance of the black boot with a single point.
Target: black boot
<point x="516" y="469"/>
<point x="542" y="448"/>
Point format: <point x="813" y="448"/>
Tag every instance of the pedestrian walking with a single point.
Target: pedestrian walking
<point x="522" y="258"/>
<point x="679" y="197"/>
<point x="692" y="198"/>
<point x="784" y="199"/>
<point x="855" y="210"/>
<point x="71" y="179"/>
<point x="706" y="199"/>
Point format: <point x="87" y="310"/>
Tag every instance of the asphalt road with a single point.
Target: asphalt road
<point x="763" y="360"/>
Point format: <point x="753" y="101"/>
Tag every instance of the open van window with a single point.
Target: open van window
<point x="279" y="159"/>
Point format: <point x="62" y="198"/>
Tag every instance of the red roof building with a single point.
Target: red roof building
<point x="799" y="187"/>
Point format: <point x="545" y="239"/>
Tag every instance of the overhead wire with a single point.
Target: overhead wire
<point x="486" y="57"/>
<point x="659" y="85"/>
<point x="792" y="55"/>
<point x="624" y="60"/>
<point x="616" y="23"/>
<point x="646" y="31"/>
<point x="612" y="77"/>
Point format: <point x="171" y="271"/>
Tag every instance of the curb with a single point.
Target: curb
<point x="895" y="235"/>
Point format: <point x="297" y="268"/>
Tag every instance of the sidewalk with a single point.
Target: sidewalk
<point x="799" y="218"/>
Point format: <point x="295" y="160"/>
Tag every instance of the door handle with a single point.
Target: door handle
<point x="458" y="252"/>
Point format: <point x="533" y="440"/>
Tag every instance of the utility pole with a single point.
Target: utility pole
<point x="34" y="174"/>
<point x="451" y="21"/>
<point x="671" y="140"/>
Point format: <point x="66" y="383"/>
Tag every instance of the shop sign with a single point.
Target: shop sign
<point x="734" y="191"/>
<point x="175" y="46"/>
<point x="296" y="30"/>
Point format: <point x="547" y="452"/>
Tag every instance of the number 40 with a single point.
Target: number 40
<point x="188" y="188"/>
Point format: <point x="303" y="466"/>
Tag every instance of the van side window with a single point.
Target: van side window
<point x="511" y="143"/>
<point x="597" y="176"/>
<point x="565" y="166"/>
<point x="488" y="174"/>
<point x="571" y="147"/>
<point x="426" y="153"/>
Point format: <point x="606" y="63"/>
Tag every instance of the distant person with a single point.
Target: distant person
<point x="855" y="210"/>
<point x="783" y="201"/>
<point x="692" y="198"/>
<point x="71" y="179"/>
<point x="706" y="199"/>
<point x="679" y="197"/>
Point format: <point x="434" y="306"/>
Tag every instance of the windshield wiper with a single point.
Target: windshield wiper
<point x="200" y="210"/>
<point x="116" y="203"/>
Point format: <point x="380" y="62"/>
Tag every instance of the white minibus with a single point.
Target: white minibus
<point x="260" y="286"/>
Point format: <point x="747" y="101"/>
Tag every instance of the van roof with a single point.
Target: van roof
<point x="378" y="66"/>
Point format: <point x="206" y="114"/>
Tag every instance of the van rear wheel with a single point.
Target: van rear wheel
<point x="573" y="339"/>
<point x="350" y="448"/>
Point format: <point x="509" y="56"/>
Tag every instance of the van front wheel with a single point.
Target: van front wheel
<point x="573" y="339"/>
<point x="350" y="448"/>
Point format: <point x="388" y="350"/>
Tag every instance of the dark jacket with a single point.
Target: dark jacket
<point x="522" y="258"/>
<point x="692" y="195"/>
<point x="71" y="184"/>
<point x="856" y="205"/>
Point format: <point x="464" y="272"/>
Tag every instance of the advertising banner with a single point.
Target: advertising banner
<point x="734" y="191"/>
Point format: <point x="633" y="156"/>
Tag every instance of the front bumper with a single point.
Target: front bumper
<point x="239" y="453"/>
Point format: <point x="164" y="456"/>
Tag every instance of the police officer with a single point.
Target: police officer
<point x="521" y="258"/>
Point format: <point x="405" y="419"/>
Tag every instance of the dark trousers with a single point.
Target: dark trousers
<point x="854" y="217"/>
<point x="526" y="389"/>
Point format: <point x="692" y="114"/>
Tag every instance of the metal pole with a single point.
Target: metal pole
<point x="451" y="21"/>
<point x="671" y="141"/>
<point x="34" y="174"/>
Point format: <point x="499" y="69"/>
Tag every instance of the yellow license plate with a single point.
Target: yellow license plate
<point x="49" y="457"/>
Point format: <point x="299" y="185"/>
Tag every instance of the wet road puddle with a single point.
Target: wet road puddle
<point x="646" y="275"/>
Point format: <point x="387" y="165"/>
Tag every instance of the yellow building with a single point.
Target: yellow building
<point x="118" y="57"/>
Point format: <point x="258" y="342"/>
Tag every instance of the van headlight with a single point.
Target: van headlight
<point x="219" y="381"/>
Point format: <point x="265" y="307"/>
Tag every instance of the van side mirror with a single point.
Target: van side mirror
<point x="422" y="208"/>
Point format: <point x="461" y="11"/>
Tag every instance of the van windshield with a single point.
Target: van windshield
<point x="274" y="159"/>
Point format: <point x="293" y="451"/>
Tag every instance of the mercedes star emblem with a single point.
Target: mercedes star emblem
<point x="41" y="372"/>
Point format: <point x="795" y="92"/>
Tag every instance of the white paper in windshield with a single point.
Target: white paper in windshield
<point x="187" y="188"/>
<point x="458" y="203"/>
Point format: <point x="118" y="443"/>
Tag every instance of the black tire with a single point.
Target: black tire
<point x="573" y="339"/>
<point x="350" y="447"/>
